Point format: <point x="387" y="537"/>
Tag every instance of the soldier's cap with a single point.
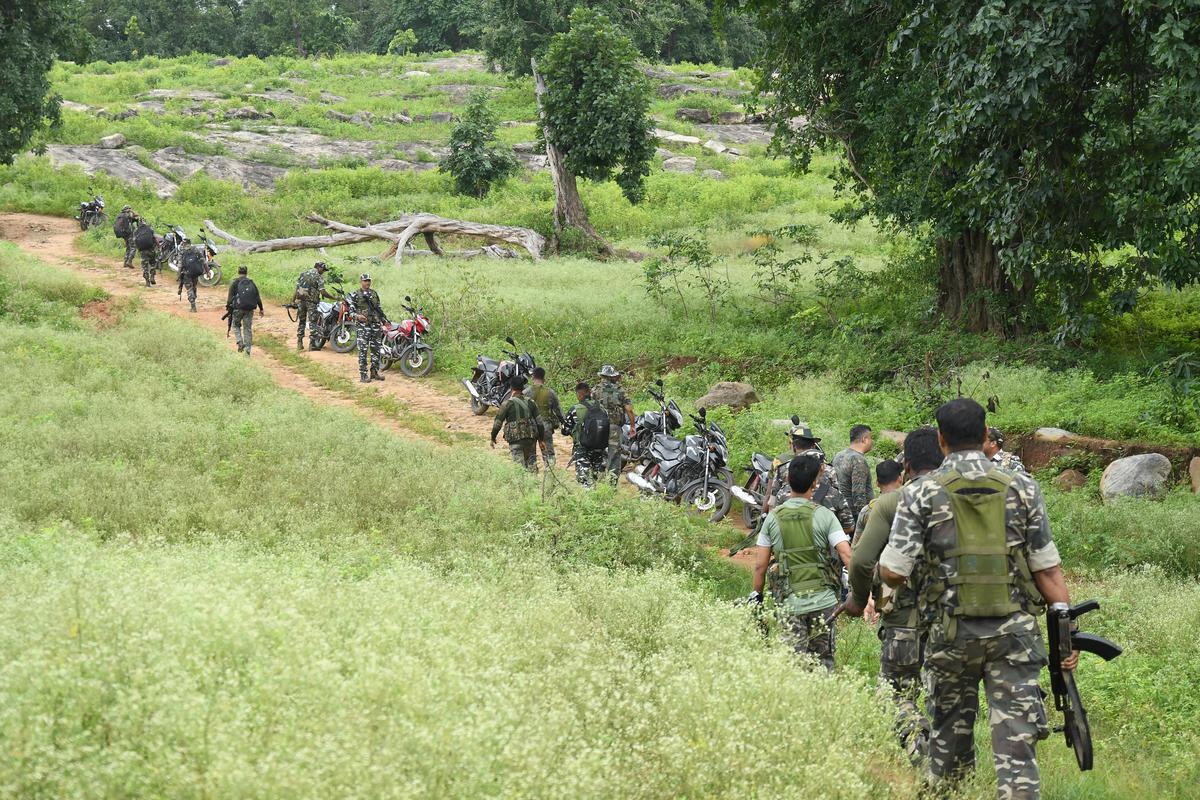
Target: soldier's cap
<point x="242" y="270"/>
<point x="608" y="371"/>
<point x="366" y="276"/>
<point x="802" y="431"/>
<point x="997" y="436"/>
<point x="127" y="208"/>
<point x="320" y="265"/>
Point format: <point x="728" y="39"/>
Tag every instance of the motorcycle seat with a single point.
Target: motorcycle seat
<point x="666" y="448"/>
<point x="489" y="364"/>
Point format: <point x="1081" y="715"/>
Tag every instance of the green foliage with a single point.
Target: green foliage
<point x="476" y="159"/>
<point x="596" y="104"/>
<point x="437" y="24"/>
<point x="691" y="259"/>
<point x="401" y="42"/>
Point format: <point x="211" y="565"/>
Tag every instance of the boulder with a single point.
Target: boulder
<point x="893" y="436"/>
<point x="701" y="115"/>
<point x="415" y="73"/>
<point x="731" y="118"/>
<point x="526" y="147"/>
<point x="1136" y="476"/>
<point x="680" y="164"/>
<point x="281" y="96"/>
<point x="1069" y="480"/>
<point x="400" y="119"/>
<point x="729" y="393"/>
<point x="362" y="118"/>
<point x="1194" y="473"/>
<point x="713" y="174"/>
<point x="675" y="138"/>
<point x="661" y="153"/>
<point x="439" y="117"/>
<point x="337" y="116"/>
<point x="1052" y="434"/>
<point x="121" y="164"/>
<point x="715" y="146"/>
<point x="219" y="62"/>
<point x="128" y="113"/>
<point x="71" y="105"/>
<point x="330" y="97"/>
<point x="113" y="141"/>
<point x="247" y="112"/>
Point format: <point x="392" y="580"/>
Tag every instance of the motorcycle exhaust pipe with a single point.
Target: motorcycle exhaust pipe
<point x="741" y="494"/>
<point x="471" y="388"/>
<point x="640" y="482"/>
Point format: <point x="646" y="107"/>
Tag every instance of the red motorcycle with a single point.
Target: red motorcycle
<point x="403" y="343"/>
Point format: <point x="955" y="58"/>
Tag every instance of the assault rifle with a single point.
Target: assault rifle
<point x="229" y="316"/>
<point x="1062" y="641"/>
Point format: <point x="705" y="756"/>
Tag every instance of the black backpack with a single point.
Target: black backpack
<point x="143" y="238"/>
<point x="594" y="433"/>
<point x="121" y="225"/>
<point x="192" y="263"/>
<point x="246" y="296"/>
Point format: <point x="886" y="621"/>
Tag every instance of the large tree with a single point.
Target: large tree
<point x="33" y="33"/>
<point x="1047" y="143"/>
<point x="594" y="106"/>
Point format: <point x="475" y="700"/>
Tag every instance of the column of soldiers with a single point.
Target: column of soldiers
<point x="956" y="556"/>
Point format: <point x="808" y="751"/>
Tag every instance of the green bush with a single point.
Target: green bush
<point x="475" y="160"/>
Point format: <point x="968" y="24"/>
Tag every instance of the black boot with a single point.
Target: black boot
<point x="375" y="376"/>
<point x="362" y="378"/>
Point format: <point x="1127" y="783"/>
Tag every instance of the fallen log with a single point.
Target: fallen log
<point x="398" y="232"/>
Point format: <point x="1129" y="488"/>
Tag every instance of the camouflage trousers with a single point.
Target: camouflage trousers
<point x="306" y="313"/>
<point x="808" y="634"/>
<point x="1008" y="665"/>
<point x="588" y="464"/>
<point x="614" y="461"/>
<point x="370" y="339"/>
<point x="900" y="656"/>
<point x="149" y="265"/>
<point x="243" y="322"/>
<point x="524" y="452"/>
<point x="189" y="285"/>
<point x="130" y="251"/>
<point x="546" y="443"/>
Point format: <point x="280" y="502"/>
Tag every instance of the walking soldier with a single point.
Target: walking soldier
<point x="518" y="416"/>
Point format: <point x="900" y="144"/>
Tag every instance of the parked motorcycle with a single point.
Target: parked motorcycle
<point x="648" y="424"/>
<point x="402" y="343"/>
<point x="758" y="473"/>
<point x="336" y="324"/>
<point x="692" y="471"/>
<point x="488" y="384"/>
<point x="91" y="213"/>
<point x="173" y="244"/>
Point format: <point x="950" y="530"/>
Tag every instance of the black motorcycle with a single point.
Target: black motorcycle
<point x="175" y="243"/>
<point x="758" y="473"/>
<point x="91" y="214"/>
<point x="488" y="384"/>
<point x="666" y="420"/>
<point x="691" y="471"/>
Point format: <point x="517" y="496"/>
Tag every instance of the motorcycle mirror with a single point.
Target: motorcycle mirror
<point x="407" y="299"/>
<point x="795" y="419"/>
<point x="703" y="413"/>
<point x="509" y="339"/>
<point x="659" y="383"/>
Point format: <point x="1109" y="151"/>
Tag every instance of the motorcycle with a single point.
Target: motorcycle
<point x="91" y="214"/>
<point x="751" y="493"/>
<point x="691" y="471"/>
<point x="666" y="420"/>
<point x="402" y="343"/>
<point x="336" y="324"/>
<point x="488" y="384"/>
<point x="173" y="244"/>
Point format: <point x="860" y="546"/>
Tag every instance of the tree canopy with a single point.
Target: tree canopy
<point x="1046" y="144"/>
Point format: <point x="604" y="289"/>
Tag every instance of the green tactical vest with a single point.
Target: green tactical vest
<point x="803" y="569"/>
<point x="541" y="396"/>
<point x="988" y="568"/>
<point x="521" y="423"/>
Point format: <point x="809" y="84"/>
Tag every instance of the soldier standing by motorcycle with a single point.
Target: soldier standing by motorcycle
<point x="550" y="412"/>
<point x="364" y="305"/>
<point x="518" y="416"/>
<point x="123" y="226"/>
<point x="589" y="463"/>
<point x="614" y="402"/>
<point x="310" y="287"/>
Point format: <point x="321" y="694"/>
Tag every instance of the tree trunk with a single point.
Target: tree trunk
<point x="299" y="40"/>
<point x="568" y="205"/>
<point x="975" y="290"/>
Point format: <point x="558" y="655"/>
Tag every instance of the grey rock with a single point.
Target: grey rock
<point x="463" y="63"/>
<point x="362" y="118"/>
<point x="1069" y="480"/>
<point x="330" y="97"/>
<point x="731" y="118"/>
<point x="672" y="91"/>
<point x="399" y="119"/>
<point x="459" y="92"/>
<point x="715" y="146"/>
<point x="1136" y="476"/>
<point x="153" y="106"/>
<point x="120" y="164"/>
<point x="71" y="105"/>
<point x="739" y="134"/>
<point x="113" y="141"/>
<point x="415" y="73"/>
<point x="219" y="62"/>
<point x="440" y="117"/>
<point x="1052" y="434"/>
<point x="729" y="393"/>
<point x="713" y="174"/>
<point x="167" y="94"/>
<point x="247" y="112"/>
<point x="337" y="116"/>
<point x="534" y="161"/>
<point x="675" y="138"/>
<point x="700" y="115"/>
<point x="661" y="153"/>
<point x="128" y="113"/>
<point x="527" y="147"/>
<point x="680" y="164"/>
<point x="183" y="165"/>
<point x="281" y="96"/>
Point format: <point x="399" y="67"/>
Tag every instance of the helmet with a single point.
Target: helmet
<point x="320" y="265"/>
<point x="366" y="276"/>
<point x="127" y="208"/>
<point x="801" y="431"/>
<point x="996" y="435"/>
<point x="608" y="371"/>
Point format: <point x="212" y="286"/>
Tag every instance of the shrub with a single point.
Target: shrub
<point x="476" y="161"/>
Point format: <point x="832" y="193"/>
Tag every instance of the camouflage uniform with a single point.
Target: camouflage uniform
<point x="803" y="614"/>
<point x="612" y="399"/>
<point x="522" y="448"/>
<point x="1004" y="651"/>
<point x="550" y="411"/>
<point x="241" y="319"/>
<point x="852" y="474"/>
<point x="588" y="463"/>
<point x="308" y="296"/>
<point x="130" y="247"/>
<point x="1009" y="461"/>
<point x="188" y="282"/>
<point x="902" y="642"/>
<point x="369" y="333"/>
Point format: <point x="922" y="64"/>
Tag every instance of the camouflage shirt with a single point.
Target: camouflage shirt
<point x="512" y="409"/>
<point x="924" y="527"/>
<point x="826" y="494"/>
<point x="875" y="523"/>
<point x="309" y="285"/>
<point x="852" y="474"/>
<point x="1008" y="461"/>
<point x="366" y="302"/>
<point x="612" y="399"/>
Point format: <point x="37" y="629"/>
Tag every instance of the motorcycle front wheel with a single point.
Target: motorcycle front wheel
<point x="712" y="503"/>
<point x="212" y="277"/>
<point x="416" y="362"/>
<point x="83" y="222"/>
<point x="750" y="514"/>
<point x="342" y="338"/>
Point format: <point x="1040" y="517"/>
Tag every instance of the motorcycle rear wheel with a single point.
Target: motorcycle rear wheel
<point x="416" y="362"/>
<point x="212" y="277"/>
<point x="478" y="407"/>
<point x="342" y="338"/>
<point x="750" y="514"/>
<point x="713" y="504"/>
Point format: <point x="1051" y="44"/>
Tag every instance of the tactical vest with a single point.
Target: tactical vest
<point x="988" y="569"/>
<point x="522" y="424"/>
<point x="803" y="569"/>
<point x="541" y="396"/>
<point x="608" y="395"/>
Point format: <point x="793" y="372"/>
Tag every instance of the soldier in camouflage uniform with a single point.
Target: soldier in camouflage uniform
<point x="852" y="473"/>
<point x="804" y="539"/>
<point x="310" y="288"/>
<point x="588" y="463"/>
<point x="364" y="305"/>
<point x="549" y="410"/>
<point x="976" y="542"/>
<point x="826" y="494"/>
<point x="148" y="255"/>
<point x="518" y="417"/>
<point x="902" y="641"/>
<point x="613" y="400"/>
<point x="993" y="448"/>
<point x="127" y="220"/>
